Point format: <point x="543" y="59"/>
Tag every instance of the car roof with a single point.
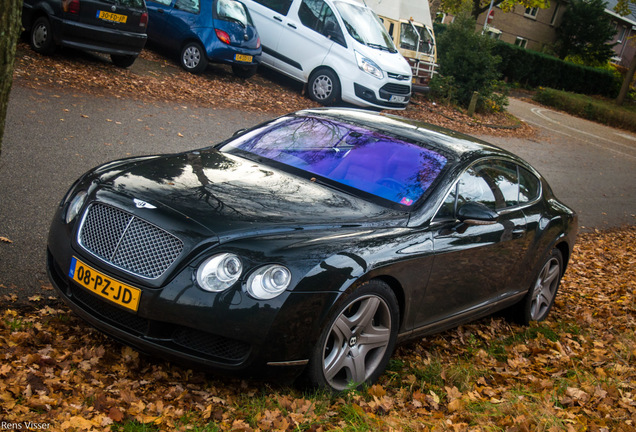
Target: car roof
<point x="447" y="141"/>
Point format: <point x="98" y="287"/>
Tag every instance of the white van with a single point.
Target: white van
<point x="338" y="47"/>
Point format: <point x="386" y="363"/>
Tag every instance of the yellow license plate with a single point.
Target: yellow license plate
<point x="109" y="16"/>
<point x="104" y="286"/>
<point x="243" y="58"/>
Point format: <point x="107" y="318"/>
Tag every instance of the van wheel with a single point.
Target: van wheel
<point x="324" y="87"/>
<point x="123" y="61"/>
<point x="193" y="58"/>
<point x="42" y="36"/>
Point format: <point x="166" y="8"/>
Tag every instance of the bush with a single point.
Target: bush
<point x="586" y="107"/>
<point x="466" y="63"/>
<point x="534" y="69"/>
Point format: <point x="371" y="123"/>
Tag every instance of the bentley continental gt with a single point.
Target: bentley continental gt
<point x="309" y="245"/>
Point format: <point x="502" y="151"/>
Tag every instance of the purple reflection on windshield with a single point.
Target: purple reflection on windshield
<point x="364" y="159"/>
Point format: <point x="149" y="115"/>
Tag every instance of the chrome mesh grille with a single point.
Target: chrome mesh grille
<point x="128" y="242"/>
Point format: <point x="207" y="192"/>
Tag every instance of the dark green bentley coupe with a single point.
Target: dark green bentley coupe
<point x="309" y="245"/>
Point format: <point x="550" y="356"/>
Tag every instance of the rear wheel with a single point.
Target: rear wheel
<point x="42" y="36"/>
<point x="324" y="87"/>
<point x="357" y="342"/>
<point x="193" y="58"/>
<point x="123" y="61"/>
<point x="538" y="301"/>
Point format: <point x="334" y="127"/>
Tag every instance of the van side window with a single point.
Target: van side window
<point x="191" y="6"/>
<point x="316" y="15"/>
<point x="280" y="6"/>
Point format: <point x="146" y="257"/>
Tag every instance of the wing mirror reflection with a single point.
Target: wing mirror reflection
<point x="475" y="213"/>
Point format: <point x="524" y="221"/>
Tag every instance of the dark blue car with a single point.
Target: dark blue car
<point x="206" y="30"/>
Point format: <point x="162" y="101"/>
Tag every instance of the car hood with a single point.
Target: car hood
<point x="234" y="197"/>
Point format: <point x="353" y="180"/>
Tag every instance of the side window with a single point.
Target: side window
<point x="318" y="16"/>
<point x="502" y="178"/>
<point x="447" y="210"/>
<point x="191" y="6"/>
<point x="472" y="187"/>
<point x="529" y="186"/>
<point x="280" y="6"/>
<point x="309" y="13"/>
<point x="163" y="2"/>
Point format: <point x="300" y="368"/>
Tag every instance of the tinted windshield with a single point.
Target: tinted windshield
<point x="366" y="160"/>
<point x="365" y="26"/>
<point x="233" y="10"/>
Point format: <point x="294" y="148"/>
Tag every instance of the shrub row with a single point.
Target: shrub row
<point x="589" y="108"/>
<point x="534" y="69"/>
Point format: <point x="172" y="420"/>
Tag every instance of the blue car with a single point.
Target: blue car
<point x="205" y="31"/>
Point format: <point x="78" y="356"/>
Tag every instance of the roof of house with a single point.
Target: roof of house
<point x="630" y="18"/>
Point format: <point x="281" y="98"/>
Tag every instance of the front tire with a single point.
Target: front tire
<point x="41" y="37"/>
<point x="537" y="303"/>
<point x="193" y="58"/>
<point x="357" y="342"/>
<point x="324" y="87"/>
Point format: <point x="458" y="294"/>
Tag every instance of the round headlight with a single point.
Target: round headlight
<point x="269" y="281"/>
<point x="75" y="206"/>
<point x="219" y="272"/>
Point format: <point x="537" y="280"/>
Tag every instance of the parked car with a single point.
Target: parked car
<point x="206" y="30"/>
<point x="339" y="48"/>
<point x="311" y="243"/>
<point x="115" y="27"/>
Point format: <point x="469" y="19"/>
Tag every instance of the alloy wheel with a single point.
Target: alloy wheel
<point x="357" y="342"/>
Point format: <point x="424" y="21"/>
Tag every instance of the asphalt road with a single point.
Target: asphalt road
<point x="52" y="137"/>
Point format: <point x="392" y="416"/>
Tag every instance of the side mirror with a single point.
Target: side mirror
<point x="474" y="213"/>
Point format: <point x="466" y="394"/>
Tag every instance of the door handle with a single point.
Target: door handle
<point x="160" y="10"/>
<point x="292" y="26"/>
<point x="277" y="18"/>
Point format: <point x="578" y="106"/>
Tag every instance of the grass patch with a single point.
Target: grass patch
<point x="591" y="108"/>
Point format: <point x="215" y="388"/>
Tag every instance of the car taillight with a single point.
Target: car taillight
<point x="143" y="21"/>
<point x="71" y="6"/>
<point x="258" y="43"/>
<point x="223" y="37"/>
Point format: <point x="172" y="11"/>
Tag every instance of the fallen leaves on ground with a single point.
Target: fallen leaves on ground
<point x="157" y="78"/>
<point x="573" y="372"/>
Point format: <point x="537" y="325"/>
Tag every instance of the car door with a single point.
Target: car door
<point x="269" y="18"/>
<point x="174" y="22"/>
<point x="158" y="15"/>
<point x="476" y="264"/>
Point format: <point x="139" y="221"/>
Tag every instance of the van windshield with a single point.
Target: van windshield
<point x="364" y="26"/>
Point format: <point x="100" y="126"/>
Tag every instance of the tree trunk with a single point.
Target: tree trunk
<point x="627" y="81"/>
<point x="10" y="26"/>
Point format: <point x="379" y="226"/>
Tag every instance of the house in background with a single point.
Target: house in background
<point x="535" y="28"/>
<point x="531" y="28"/>
<point x="625" y="38"/>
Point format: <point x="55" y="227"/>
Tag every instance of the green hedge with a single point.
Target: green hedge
<point x="587" y="107"/>
<point x="534" y="69"/>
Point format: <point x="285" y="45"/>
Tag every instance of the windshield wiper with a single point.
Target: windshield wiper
<point x="381" y="47"/>
<point x="236" y="20"/>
